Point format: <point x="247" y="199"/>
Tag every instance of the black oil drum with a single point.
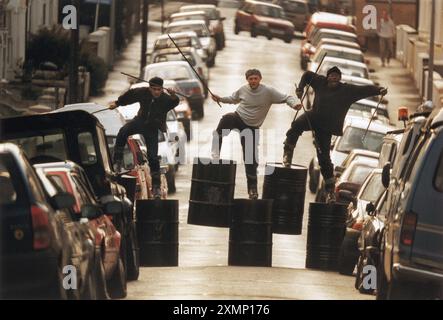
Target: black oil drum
<point x="129" y="183"/>
<point x="326" y="230"/>
<point x="287" y="187"/>
<point x="157" y="232"/>
<point x="212" y="192"/>
<point x="250" y="235"/>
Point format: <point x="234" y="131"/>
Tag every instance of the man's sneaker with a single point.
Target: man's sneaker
<point x="330" y="197"/>
<point x="118" y="165"/>
<point x="288" y="153"/>
<point x="157" y="192"/>
<point x="253" y="193"/>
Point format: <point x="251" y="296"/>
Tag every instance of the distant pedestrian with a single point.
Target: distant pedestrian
<point x="386" y="34"/>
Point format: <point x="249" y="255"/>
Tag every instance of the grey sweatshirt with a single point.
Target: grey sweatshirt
<point x="254" y="104"/>
<point x="386" y="29"/>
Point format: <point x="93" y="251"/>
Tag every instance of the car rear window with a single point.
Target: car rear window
<point x="50" y="146"/>
<point x="269" y="11"/>
<point x="353" y="139"/>
<point x="199" y="29"/>
<point x="169" y="73"/>
<point x="373" y="189"/>
<point x="174" y="57"/>
<point x="359" y="174"/>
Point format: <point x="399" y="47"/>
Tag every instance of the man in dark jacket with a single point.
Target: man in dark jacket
<point x="151" y="117"/>
<point x="331" y="104"/>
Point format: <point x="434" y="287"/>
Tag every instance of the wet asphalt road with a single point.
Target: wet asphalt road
<point x="203" y="271"/>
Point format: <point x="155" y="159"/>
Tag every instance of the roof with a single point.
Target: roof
<point x="202" y="6"/>
<point x="340" y="42"/>
<point x="66" y="165"/>
<point x="329" y="17"/>
<point x="338" y="48"/>
<point x="339" y="32"/>
<point x="183" y="34"/>
<point x="367" y="153"/>
<point x="264" y="3"/>
<point x="167" y="63"/>
<point x="186" y="23"/>
<point x="362" y="123"/>
<point x="356" y="80"/>
<point x="111" y="120"/>
<point x="345" y="62"/>
<point x="187" y="13"/>
<point x="21" y="126"/>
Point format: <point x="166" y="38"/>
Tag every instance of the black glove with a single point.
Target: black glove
<point x="383" y="91"/>
<point x="299" y="93"/>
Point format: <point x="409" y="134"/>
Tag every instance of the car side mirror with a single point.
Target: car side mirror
<point x="173" y="137"/>
<point x="113" y="208"/>
<point x="386" y="175"/>
<point x="370" y="209"/>
<point x="63" y="200"/>
<point x="91" y="211"/>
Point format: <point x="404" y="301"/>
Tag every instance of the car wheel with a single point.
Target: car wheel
<point x="288" y="39"/>
<point x="253" y="32"/>
<point x="59" y="292"/>
<point x="269" y="36"/>
<point x="359" y="274"/>
<point x="382" y="282"/>
<point x="314" y="176"/>
<point x="187" y="127"/>
<point x="219" y="41"/>
<point x="170" y="178"/>
<point x="346" y="261"/>
<point x="236" y="28"/>
<point x="132" y="257"/>
<point x="117" y="284"/>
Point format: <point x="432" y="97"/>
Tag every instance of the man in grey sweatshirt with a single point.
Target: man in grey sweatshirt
<point x="255" y="100"/>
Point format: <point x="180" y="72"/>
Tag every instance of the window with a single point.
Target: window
<point x="86" y="147"/>
<point x="57" y="181"/>
<point x="128" y="158"/>
<point x="373" y="189"/>
<point x="50" y="147"/>
<point x="353" y="139"/>
<point x="9" y="192"/>
<point x="359" y="174"/>
<point x="169" y="73"/>
<point x="438" y="180"/>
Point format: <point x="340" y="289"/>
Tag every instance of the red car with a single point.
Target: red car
<point x="265" y="19"/>
<point x="70" y="177"/>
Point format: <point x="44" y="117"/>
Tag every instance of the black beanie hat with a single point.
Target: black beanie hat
<point x="156" y="82"/>
<point x="333" y="69"/>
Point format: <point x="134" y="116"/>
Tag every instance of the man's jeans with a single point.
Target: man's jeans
<point x="138" y="126"/>
<point x="249" y="140"/>
<point x="323" y="139"/>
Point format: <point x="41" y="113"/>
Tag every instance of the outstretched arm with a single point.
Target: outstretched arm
<point x="278" y="97"/>
<point x="233" y="99"/>
<point x="361" y="92"/>
<point x="131" y="96"/>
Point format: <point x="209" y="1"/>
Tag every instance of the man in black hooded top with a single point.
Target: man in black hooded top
<point x="331" y="104"/>
<point x="151" y="117"/>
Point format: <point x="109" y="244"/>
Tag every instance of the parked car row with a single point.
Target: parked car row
<point x="64" y="209"/>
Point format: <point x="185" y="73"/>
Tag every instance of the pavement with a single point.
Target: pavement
<point x="203" y="272"/>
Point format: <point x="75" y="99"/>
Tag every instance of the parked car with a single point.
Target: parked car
<point x="39" y="238"/>
<point x="215" y="21"/>
<point x="369" y="192"/>
<point x="353" y="131"/>
<point x="190" y="15"/>
<point x="113" y="121"/>
<point x="79" y="137"/>
<point x="309" y="45"/>
<point x="172" y="54"/>
<point x="347" y="67"/>
<point x="369" y="240"/>
<point x="356" y="154"/>
<point x="329" y="20"/>
<point x="337" y="42"/>
<point x="181" y="39"/>
<point x="297" y="12"/>
<point x="186" y="80"/>
<point x="390" y="147"/>
<point x="108" y="265"/>
<point x="366" y="108"/>
<point x="411" y="253"/>
<point x="265" y="19"/>
<point x="336" y="52"/>
<point x="202" y="31"/>
<point x="177" y="136"/>
<point x="168" y="152"/>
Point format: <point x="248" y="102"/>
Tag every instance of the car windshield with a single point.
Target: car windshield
<point x="211" y="13"/>
<point x="174" y="57"/>
<point x="189" y="17"/>
<point x="169" y="73"/>
<point x="170" y="116"/>
<point x="45" y="146"/>
<point x="353" y="139"/>
<point x="316" y="39"/>
<point x="339" y="54"/>
<point x="269" y="11"/>
<point x="359" y="174"/>
<point x="366" y="108"/>
<point x="199" y="29"/>
<point x="373" y="189"/>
